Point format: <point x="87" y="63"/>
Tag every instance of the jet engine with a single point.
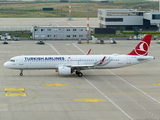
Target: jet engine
<point x="62" y="70"/>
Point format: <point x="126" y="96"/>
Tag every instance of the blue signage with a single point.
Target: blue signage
<point x="43" y="58"/>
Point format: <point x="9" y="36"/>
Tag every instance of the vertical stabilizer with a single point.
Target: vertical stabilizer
<point x="143" y="46"/>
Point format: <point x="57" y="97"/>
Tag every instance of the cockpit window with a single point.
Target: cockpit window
<point x="12" y="60"/>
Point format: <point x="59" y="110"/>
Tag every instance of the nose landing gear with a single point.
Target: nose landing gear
<point x="21" y="73"/>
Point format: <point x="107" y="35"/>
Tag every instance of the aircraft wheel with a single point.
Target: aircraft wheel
<point x="80" y="74"/>
<point x="21" y="74"/>
<point x="76" y="72"/>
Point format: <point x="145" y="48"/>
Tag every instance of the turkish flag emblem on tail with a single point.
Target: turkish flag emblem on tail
<point x="143" y="46"/>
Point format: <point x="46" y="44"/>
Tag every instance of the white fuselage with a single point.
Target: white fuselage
<point x="67" y="64"/>
<point x="87" y="61"/>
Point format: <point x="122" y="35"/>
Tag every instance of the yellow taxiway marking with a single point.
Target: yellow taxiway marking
<point x="55" y="85"/>
<point x="14" y="89"/>
<point x="15" y="94"/>
<point x="156" y="83"/>
<point x="89" y="100"/>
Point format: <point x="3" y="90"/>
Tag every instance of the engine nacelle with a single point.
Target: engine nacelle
<point x="62" y="70"/>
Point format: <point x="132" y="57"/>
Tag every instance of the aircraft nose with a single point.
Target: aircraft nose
<point x="6" y="64"/>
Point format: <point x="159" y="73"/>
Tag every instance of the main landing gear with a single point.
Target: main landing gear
<point x="21" y="73"/>
<point x="79" y="73"/>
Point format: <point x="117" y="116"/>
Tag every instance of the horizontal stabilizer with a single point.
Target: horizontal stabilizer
<point x="145" y="58"/>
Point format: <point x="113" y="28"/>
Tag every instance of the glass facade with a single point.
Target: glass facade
<point x="114" y="19"/>
<point x="156" y="16"/>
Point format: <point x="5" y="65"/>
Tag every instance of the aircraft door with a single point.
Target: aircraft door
<point x="21" y="62"/>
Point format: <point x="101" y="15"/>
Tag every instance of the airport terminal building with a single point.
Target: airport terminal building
<point x="128" y="19"/>
<point x="50" y="32"/>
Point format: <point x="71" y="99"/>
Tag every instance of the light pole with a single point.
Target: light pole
<point x="159" y="11"/>
<point x="70" y="10"/>
<point x="88" y="31"/>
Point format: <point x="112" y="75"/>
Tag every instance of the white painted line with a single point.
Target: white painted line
<point x="78" y="48"/>
<point x="67" y="49"/>
<point x="108" y="99"/>
<point x="130" y="98"/>
<point x="102" y="92"/>
<point x="53" y="48"/>
<point x="133" y="86"/>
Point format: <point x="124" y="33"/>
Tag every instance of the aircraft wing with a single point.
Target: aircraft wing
<point x="89" y="65"/>
<point x="82" y="65"/>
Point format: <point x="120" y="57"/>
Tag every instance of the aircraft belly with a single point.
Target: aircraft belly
<point x="38" y="66"/>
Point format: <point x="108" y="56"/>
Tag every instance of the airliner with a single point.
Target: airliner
<point x="68" y="64"/>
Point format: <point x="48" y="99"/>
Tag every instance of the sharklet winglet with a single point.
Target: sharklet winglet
<point x="89" y="52"/>
<point x="101" y="62"/>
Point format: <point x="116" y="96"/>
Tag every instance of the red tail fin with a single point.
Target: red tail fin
<point x="143" y="46"/>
